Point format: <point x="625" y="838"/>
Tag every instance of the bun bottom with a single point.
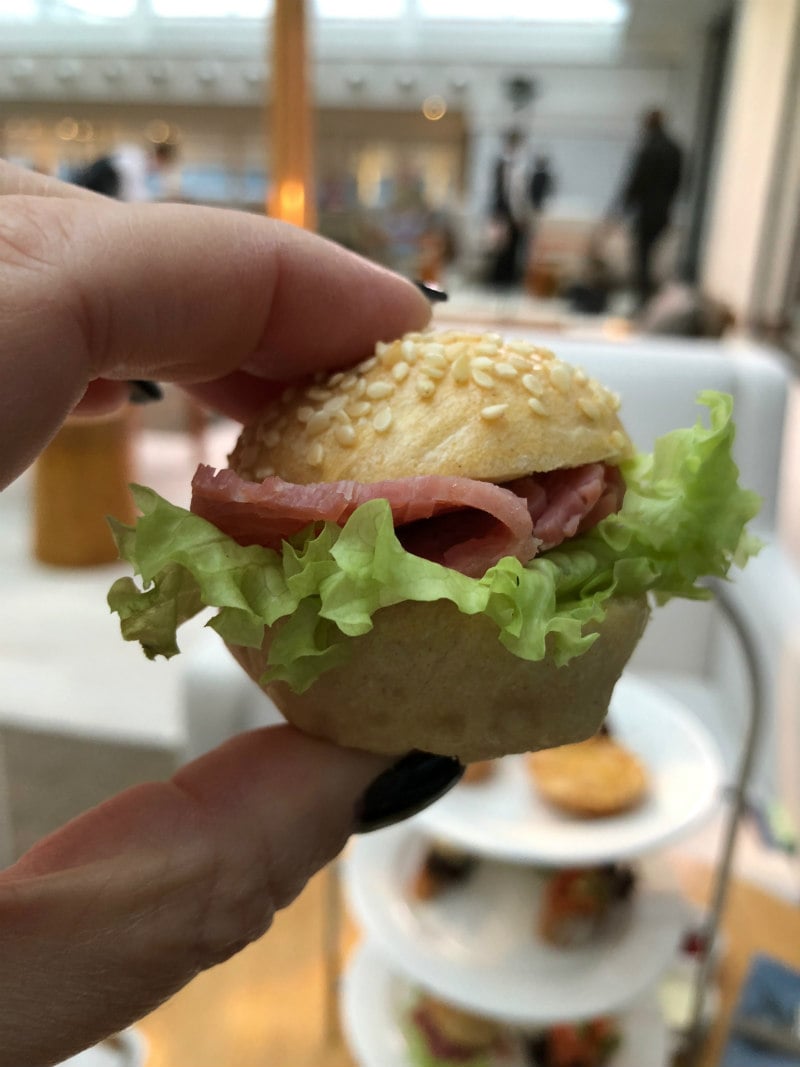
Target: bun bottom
<point x="428" y="677"/>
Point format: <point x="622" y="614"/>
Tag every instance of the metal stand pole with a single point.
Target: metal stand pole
<point x="739" y="799"/>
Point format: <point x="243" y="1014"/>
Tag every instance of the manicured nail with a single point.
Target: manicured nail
<point x="432" y="292"/>
<point x="407" y="787"/>
<point x="143" y="391"/>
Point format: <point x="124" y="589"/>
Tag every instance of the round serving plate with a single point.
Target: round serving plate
<point x="504" y="817"/>
<point x="374" y="1001"/>
<point x="477" y="944"/>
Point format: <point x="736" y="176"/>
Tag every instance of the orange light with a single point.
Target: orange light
<point x="291" y="202"/>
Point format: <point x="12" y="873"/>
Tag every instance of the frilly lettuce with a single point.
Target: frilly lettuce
<point x="684" y="517"/>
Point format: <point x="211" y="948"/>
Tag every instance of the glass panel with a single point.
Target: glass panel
<point x="18" y="10"/>
<point x="212" y="9"/>
<point x="94" y="9"/>
<point x="607" y="11"/>
<point x="360" y="9"/>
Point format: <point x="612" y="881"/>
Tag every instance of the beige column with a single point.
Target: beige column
<point x="291" y="193"/>
<point x="751" y="178"/>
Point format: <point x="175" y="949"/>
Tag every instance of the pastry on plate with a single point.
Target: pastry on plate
<point x="593" y="778"/>
<point x="579" y="903"/>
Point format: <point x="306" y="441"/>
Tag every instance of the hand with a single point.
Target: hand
<point x="109" y="916"/>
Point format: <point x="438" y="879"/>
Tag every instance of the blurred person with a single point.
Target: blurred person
<point x="126" y="173"/>
<point x="647" y="196"/>
<point x="543" y="184"/>
<point x="109" y="916"/>
<point x="510" y="212"/>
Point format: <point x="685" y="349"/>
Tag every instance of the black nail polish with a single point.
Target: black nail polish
<point x="432" y="292"/>
<point x="143" y="391"/>
<point x="407" y="787"/>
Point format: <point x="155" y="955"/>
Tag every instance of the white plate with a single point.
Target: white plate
<point x="476" y="943"/>
<point x="373" y="1000"/>
<point x="125" y="1049"/>
<point x="503" y="817"/>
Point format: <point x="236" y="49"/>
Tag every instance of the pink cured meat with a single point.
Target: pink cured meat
<point x="497" y="522"/>
<point x="462" y="523"/>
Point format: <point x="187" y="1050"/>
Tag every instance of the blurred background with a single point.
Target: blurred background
<point x="414" y="103"/>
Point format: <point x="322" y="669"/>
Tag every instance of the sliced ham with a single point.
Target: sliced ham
<point x="462" y="523"/>
<point x="563" y="503"/>
<point x="265" y="513"/>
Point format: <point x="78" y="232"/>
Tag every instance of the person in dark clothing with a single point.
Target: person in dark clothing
<point x="648" y="195"/>
<point x="101" y="176"/>
<point x="542" y="183"/>
<point x="510" y="209"/>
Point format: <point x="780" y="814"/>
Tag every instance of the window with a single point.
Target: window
<point x="604" y="11"/>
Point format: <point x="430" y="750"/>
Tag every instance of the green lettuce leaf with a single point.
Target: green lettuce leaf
<point x="684" y="517"/>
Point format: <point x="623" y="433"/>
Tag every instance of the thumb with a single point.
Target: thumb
<point x="108" y="917"/>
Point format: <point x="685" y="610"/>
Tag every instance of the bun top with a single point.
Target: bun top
<point x="447" y="403"/>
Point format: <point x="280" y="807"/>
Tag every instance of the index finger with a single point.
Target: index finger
<point x="90" y="288"/>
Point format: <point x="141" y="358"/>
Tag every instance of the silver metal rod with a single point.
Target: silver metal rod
<point x="724" y="865"/>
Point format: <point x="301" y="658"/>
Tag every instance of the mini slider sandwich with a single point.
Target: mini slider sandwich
<point x="451" y="547"/>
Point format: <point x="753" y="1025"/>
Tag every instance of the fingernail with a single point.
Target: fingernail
<point x="407" y="787"/>
<point x="143" y="391"/>
<point x="432" y="292"/>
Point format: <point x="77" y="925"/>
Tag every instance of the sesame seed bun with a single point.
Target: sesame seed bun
<point x="449" y="403"/>
<point x="428" y="677"/>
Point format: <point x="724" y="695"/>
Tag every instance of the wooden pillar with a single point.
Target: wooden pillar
<point x="291" y="193"/>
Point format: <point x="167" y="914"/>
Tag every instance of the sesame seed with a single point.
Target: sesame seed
<point x="316" y="454"/>
<point x="616" y="401"/>
<point x="383" y="420"/>
<point x="590" y="409"/>
<point x="380" y="348"/>
<point x="341" y="416"/>
<point x="461" y="368"/>
<point x="408" y="350"/>
<point x="360" y="388"/>
<point x="392" y="356"/>
<point x="345" y="435"/>
<point x="433" y="371"/>
<point x="482" y="362"/>
<point x="520" y="348"/>
<point x="617" y="439"/>
<point x="516" y="360"/>
<point x="361" y="407"/>
<point x="264" y="472"/>
<point x="537" y="406"/>
<point x="366" y="365"/>
<point x="348" y="382"/>
<point x="481" y="378"/>
<point x="318" y="422"/>
<point x="336" y="403"/>
<point x="485" y="349"/>
<point x="271" y="439"/>
<point x="336" y="379"/>
<point x="579" y="376"/>
<point x="505" y="370"/>
<point x="534" y="385"/>
<point x="379" y="390"/>
<point x="304" y="414"/>
<point x="318" y="394"/>
<point x="434" y="353"/>
<point x="560" y="376"/>
<point x="494" y="411"/>
<point x="425" y="387"/>
<point x="400" y="371"/>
